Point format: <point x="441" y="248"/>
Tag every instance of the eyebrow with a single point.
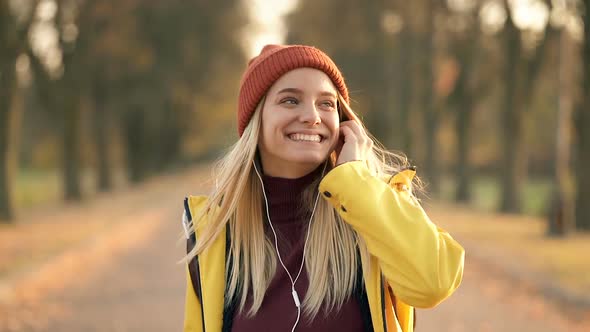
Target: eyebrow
<point x="299" y="91"/>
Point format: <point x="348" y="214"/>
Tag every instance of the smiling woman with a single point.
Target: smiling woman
<point x="306" y="186"/>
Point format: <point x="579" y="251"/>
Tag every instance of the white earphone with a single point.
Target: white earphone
<point x="293" y="281"/>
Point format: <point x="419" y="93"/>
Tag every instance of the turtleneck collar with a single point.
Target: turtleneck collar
<point x="284" y="196"/>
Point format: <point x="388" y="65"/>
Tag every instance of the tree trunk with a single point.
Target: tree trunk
<point x="71" y="150"/>
<point x="464" y="101"/>
<point x="172" y="138"/>
<point x="512" y="138"/>
<point x="463" y="121"/>
<point x="101" y="135"/>
<point x="583" y="135"/>
<point x="134" y="124"/>
<point x="7" y="154"/>
<point x="61" y="99"/>
<point x="561" y="214"/>
<point x="13" y="38"/>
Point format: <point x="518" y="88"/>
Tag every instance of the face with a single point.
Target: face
<point x="299" y="123"/>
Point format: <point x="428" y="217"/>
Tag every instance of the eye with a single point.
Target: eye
<point x="289" y="101"/>
<point x="328" y="104"/>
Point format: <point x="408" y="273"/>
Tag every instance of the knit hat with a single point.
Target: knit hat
<point x="274" y="61"/>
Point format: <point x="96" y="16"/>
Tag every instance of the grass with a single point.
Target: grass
<point x="486" y="193"/>
<point x="34" y="187"/>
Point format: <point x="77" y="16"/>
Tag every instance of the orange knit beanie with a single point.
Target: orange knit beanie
<point x="274" y="61"/>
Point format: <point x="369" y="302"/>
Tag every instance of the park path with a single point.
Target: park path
<point x="142" y="289"/>
<point x="488" y="300"/>
<point x="129" y="282"/>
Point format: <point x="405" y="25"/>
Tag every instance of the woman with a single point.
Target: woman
<point x="307" y="229"/>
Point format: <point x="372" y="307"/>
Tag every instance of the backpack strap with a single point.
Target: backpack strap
<point x="229" y="308"/>
<point x="191" y="241"/>
<point x="193" y="266"/>
<point x="360" y="292"/>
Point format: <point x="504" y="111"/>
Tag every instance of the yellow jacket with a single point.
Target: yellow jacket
<point x="411" y="257"/>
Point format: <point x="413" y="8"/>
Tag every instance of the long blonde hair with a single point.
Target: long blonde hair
<point x="331" y="258"/>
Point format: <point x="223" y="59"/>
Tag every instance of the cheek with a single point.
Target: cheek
<point x="333" y="125"/>
<point x="270" y="131"/>
<point x="334" y="128"/>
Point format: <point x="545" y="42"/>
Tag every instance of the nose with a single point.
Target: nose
<point x="310" y="115"/>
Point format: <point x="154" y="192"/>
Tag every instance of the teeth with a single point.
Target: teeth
<point x="308" y="138"/>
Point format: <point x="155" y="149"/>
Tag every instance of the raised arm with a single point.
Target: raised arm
<point x="422" y="263"/>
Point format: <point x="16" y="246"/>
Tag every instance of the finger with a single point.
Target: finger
<point x="357" y="129"/>
<point x="348" y="133"/>
<point x="353" y="125"/>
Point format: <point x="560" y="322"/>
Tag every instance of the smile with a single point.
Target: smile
<point x="305" y="138"/>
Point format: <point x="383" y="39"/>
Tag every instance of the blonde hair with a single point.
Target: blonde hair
<point x="331" y="258"/>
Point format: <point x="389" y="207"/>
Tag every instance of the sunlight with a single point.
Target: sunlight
<point x="46" y="10"/>
<point x="530" y="14"/>
<point x="461" y="5"/>
<point x="44" y="37"/>
<point x="492" y="16"/>
<point x="267" y="26"/>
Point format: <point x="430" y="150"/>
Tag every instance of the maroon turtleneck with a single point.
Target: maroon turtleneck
<point x="278" y="311"/>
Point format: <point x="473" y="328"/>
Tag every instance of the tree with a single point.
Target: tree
<point x="13" y="38"/>
<point x="61" y="89"/>
<point x="188" y="43"/>
<point x="466" y="81"/>
<point x="521" y="73"/>
<point x="562" y="211"/>
<point x="464" y="46"/>
<point x="583" y="134"/>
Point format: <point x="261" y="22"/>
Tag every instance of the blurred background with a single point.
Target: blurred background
<point x="112" y="111"/>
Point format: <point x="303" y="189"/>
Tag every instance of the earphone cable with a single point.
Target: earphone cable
<point x="293" y="281"/>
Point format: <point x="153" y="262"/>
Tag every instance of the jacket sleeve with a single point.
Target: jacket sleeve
<point x="422" y="263"/>
<point x="192" y="308"/>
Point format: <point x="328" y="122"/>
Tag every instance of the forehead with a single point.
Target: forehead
<point x="305" y="79"/>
